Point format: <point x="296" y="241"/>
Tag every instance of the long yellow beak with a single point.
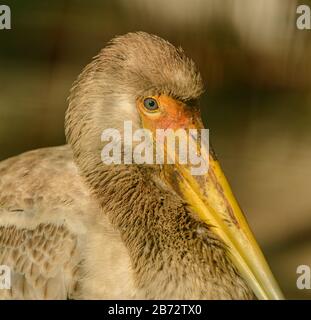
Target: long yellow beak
<point x="211" y="198"/>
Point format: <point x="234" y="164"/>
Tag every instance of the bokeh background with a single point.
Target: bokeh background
<point x="256" y="66"/>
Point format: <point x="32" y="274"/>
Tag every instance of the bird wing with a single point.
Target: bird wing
<point x="43" y="205"/>
<point x="43" y="261"/>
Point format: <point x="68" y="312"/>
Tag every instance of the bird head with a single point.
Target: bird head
<point x="146" y="80"/>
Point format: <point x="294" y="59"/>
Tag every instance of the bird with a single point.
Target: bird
<point x="75" y="227"/>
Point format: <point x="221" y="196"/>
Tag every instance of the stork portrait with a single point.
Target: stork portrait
<point x="155" y="151"/>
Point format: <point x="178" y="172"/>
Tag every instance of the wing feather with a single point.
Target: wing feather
<point x="44" y="212"/>
<point x="43" y="261"/>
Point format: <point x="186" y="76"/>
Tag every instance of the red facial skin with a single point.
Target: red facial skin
<point x="171" y="114"/>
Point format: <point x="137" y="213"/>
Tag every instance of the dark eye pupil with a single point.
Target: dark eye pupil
<point x="150" y="104"/>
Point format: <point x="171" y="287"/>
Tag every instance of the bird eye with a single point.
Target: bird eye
<point x="151" y="104"/>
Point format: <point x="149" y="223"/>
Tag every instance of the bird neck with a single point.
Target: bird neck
<point x="173" y="254"/>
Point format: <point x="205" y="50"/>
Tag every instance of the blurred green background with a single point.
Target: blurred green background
<point x="256" y="66"/>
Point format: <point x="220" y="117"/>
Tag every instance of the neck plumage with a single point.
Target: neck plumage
<point x="174" y="256"/>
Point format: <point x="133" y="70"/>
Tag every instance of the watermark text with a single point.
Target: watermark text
<point x="5" y="17"/>
<point x="304" y="17"/>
